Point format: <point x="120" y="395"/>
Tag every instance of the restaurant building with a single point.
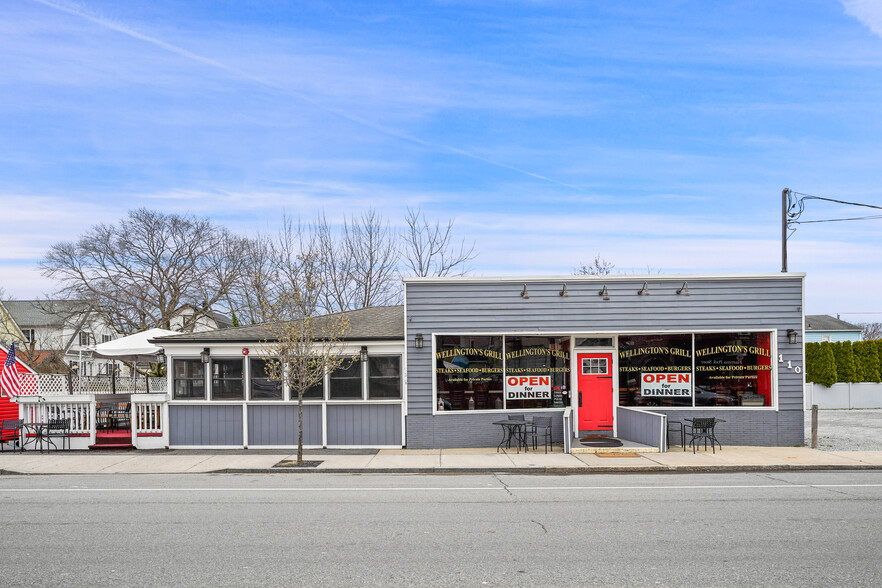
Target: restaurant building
<point x="463" y="353"/>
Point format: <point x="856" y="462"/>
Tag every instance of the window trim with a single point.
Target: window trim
<point x="210" y="371"/>
<point x="205" y="382"/>
<point x="367" y="377"/>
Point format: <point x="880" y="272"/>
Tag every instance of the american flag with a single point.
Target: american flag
<point x="9" y="382"/>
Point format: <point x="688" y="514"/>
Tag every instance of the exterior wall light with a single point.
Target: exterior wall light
<point x="564" y="292"/>
<point x="684" y="290"/>
<point x="205" y="356"/>
<point x="362" y="355"/>
<point x="605" y="293"/>
<point x="791" y="336"/>
<point x="160" y="357"/>
<point x="644" y="291"/>
<point x="418" y="341"/>
<point x="524" y="293"/>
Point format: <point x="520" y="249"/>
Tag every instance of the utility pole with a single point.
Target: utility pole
<point x="784" y="229"/>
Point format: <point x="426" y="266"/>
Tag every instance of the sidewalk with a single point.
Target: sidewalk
<point x="436" y="461"/>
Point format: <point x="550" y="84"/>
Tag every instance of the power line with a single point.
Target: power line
<point x="811" y="197"/>
<point x="833" y="220"/>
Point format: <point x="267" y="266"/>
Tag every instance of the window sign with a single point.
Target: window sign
<point x="662" y="385"/>
<point x="643" y="355"/>
<point x="733" y="369"/>
<point x="528" y="387"/>
<point x="537" y="372"/>
<point x="468" y="372"/>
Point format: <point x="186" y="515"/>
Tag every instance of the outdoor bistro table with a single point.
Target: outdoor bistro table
<point x="38" y="433"/>
<point x="516" y="430"/>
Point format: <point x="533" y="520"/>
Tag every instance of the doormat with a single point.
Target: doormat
<point x="617" y="455"/>
<point x="292" y="463"/>
<point x="595" y="442"/>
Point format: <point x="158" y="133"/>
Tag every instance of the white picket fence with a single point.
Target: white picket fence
<point x="62" y="384"/>
<point x="76" y="409"/>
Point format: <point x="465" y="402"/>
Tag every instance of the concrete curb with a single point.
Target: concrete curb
<point x="539" y="470"/>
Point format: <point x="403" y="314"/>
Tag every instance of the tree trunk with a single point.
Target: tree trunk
<point x="299" y="427"/>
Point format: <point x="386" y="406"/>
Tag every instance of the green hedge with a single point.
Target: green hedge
<point x="828" y="363"/>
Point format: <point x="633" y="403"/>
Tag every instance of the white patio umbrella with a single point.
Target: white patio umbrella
<point x="132" y="348"/>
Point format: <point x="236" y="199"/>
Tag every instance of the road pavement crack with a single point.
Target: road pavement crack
<point x="544" y="530"/>
<point x="504" y="485"/>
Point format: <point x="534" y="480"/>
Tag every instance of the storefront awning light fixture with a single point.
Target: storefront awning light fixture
<point x="362" y="355"/>
<point x="205" y="356"/>
<point x="791" y="336"/>
<point x="644" y="291"/>
<point x="418" y="341"/>
<point x="524" y="293"/>
<point x="684" y="290"/>
<point x="564" y="292"/>
<point x="605" y="293"/>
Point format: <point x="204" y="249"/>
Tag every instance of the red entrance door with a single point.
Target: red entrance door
<point x="595" y="391"/>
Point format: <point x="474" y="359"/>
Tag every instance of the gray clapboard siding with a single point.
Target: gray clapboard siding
<point x="715" y="304"/>
<point x="205" y="425"/>
<point x="277" y="425"/>
<point x="364" y="424"/>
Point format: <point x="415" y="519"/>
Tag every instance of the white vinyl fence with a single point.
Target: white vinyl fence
<point x="844" y="395"/>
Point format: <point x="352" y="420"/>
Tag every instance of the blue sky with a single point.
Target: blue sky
<point x="656" y="134"/>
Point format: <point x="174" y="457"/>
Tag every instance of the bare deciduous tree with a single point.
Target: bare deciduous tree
<point x="360" y="262"/>
<point x="598" y="267"/>
<point x="135" y="274"/>
<point x="871" y="331"/>
<point x="302" y="346"/>
<point x="430" y="249"/>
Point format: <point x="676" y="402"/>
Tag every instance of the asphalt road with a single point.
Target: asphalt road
<point x="748" y="529"/>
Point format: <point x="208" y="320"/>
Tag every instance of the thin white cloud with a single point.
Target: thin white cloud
<point x="868" y="12"/>
<point x="78" y="11"/>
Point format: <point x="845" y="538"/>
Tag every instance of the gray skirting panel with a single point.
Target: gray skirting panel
<point x="205" y="425"/>
<point x="365" y="424"/>
<point x="277" y="425"/>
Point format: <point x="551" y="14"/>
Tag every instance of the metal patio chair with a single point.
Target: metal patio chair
<point x="58" y="428"/>
<point x="10" y="432"/>
<point x="541" y="426"/>
<point x="702" y="428"/>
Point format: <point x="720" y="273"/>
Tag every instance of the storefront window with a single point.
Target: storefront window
<point x="537" y="372"/>
<point x="733" y="369"/>
<point x="189" y="378"/>
<point x="262" y="387"/>
<point x="468" y="372"/>
<point x="655" y="370"/>
<point x="384" y="377"/>
<point x="345" y="382"/>
<point x="226" y="381"/>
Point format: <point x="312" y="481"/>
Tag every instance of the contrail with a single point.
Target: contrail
<point x="109" y="24"/>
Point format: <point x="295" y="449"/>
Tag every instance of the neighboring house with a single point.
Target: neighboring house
<point x="8" y="409"/>
<point x="183" y="321"/>
<point x="820" y="328"/>
<point x="55" y="332"/>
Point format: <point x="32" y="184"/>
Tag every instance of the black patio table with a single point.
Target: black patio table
<point x="513" y="430"/>
<point x="38" y="434"/>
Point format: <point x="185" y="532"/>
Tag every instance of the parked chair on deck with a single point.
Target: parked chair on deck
<point x="59" y="428"/>
<point x="123" y="415"/>
<point x="104" y="415"/>
<point x="702" y="428"/>
<point x="541" y="426"/>
<point x="10" y="432"/>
